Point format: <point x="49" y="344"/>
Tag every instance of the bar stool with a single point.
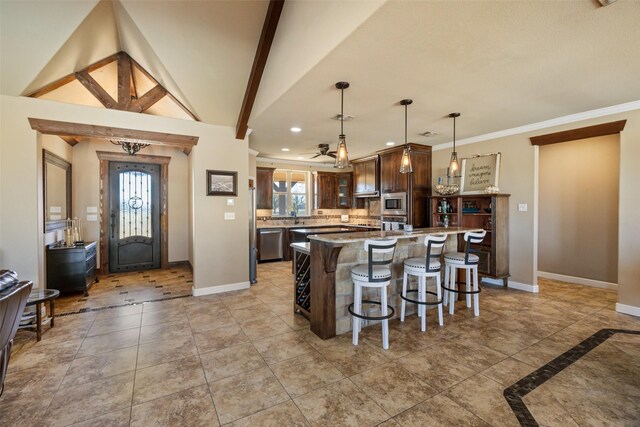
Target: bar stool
<point x="418" y="267"/>
<point x="375" y="274"/>
<point x="467" y="260"/>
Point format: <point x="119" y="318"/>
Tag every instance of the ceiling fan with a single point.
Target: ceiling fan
<point x="323" y="150"/>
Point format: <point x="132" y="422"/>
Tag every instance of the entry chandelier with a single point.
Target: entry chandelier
<point x="130" y="147"/>
<point x="454" y="168"/>
<point x="342" y="156"/>
<point x="405" y="163"/>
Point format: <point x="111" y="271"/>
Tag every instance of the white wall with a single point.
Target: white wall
<point x="220" y="251"/>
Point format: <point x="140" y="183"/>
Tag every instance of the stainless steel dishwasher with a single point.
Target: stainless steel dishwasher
<point x="270" y="244"/>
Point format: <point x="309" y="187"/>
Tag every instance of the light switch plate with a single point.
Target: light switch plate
<point x="55" y="209"/>
<point x="92" y="209"/>
<point x="522" y="207"/>
<point x="229" y="216"/>
<point x="231" y="202"/>
<point x="92" y="218"/>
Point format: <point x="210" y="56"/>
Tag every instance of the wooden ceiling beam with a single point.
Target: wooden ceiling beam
<point x="96" y="90"/>
<point x="124" y="81"/>
<point x="69" y="140"/>
<point x="148" y="99"/>
<point x="66" y="129"/>
<point x="580" y="133"/>
<point x="259" y="62"/>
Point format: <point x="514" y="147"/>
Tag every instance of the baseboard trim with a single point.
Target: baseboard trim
<point x="186" y="263"/>
<point x="514" y="285"/>
<point x="578" y="280"/>
<point x="628" y="309"/>
<point x="198" y="292"/>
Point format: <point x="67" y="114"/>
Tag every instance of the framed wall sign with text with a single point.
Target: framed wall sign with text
<point x="480" y="172"/>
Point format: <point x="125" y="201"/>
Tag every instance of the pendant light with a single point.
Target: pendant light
<point x="405" y="163"/>
<point x="342" y="156"/>
<point x="454" y="168"/>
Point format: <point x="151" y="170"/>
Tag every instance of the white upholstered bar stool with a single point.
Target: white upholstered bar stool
<point x="375" y="274"/>
<point x="468" y="261"/>
<point x="424" y="268"/>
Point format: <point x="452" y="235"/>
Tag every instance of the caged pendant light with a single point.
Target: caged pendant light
<point x="405" y="163"/>
<point x="342" y="156"/>
<point x="454" y="168"/>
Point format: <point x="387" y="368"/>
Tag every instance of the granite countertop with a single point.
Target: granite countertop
<point x="323" y="230"/>
<point x="334" y="225"/>
<point x="361" y="236"/>
<point x="301" y="247"/>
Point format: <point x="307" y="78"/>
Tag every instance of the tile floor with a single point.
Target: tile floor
<point x="243" y="359"/>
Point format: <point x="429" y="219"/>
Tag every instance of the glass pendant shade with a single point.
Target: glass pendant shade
<point x="342" y="156"/>
<point x="453" y="165"/>
<point x="405" y="163"/>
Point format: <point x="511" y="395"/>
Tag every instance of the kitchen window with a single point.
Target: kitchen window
<point x="291" y="193"/>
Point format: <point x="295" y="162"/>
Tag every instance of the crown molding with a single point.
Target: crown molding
<point x="294" y="162"/>
<point x="253" y="152"/>
<point x="572" y="118"/>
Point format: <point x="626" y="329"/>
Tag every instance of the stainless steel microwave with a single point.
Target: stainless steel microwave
<point x="394" y="204"/>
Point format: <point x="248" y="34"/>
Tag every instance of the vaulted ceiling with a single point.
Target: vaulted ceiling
<point x="501" y="64"/>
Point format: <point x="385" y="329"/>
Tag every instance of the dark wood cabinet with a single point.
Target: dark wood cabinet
<point x="71" y="269"/>
<point x="487" y="211"/>
<point x="264" y="188"/>
<point x="366" y="176"/>
<point x="391" y="180"/>
<point x="333" y="190"/>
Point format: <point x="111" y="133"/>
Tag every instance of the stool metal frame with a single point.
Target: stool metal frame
<point x="432" y="268"/>
<point x="468" y="261"/>
<point x="383" y="248"/>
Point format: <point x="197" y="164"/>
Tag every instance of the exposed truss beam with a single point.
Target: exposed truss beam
<point x="96" y="90"/>
<point x="148" y="99"/>
<point x="124" y="81"/>
<point x="259" y="62"/>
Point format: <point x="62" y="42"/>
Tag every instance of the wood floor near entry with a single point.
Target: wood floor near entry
<point x="243" y="359"/>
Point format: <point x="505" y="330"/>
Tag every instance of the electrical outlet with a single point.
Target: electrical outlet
<point x="522" y="207"/>
<point x="91" y="218"/>
<point x="92" y="209"/>
<point x="228" y="216"/>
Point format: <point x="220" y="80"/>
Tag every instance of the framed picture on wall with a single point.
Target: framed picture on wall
<point x="479" y="172"/>
<point x="222" y="183"/>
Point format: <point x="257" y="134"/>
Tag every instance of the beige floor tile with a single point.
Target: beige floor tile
<point x="281" y="347"/>
<point x="508" y="371"/>
<point x="113" y="419"/>
<point x="393" y="388"/>
<point x="164" y="331"/>
<point x="126" y="310"/>
<point x="108" y="342"/>
<point x="217" y="339"/>
<point x="258" y="329"/>
<point x="483" y="397"/>
<point x="546" y="409"/>
<point x="283" y="414"/>
<point x="305" y="373"/>
<point x="252" y="312"/>
<point x="351" y="359"/>
<point x="213" y="320"/>
<point x="434" y="367"/>
<point x="79" y="403"/>
<point x="168" y="315"/>
<point x="103" y="365"/>
<point x="294" y="321"/>
<point x="245" y="394"/>
<point x="168" y="378"/>
<point x="157" y="352"/>
<point x="230" y="361"/>
<point x="104" y="326"/>
<point x="340" y="404"/>
<point x="192" y="407"/>
<point x="44" y="353"/>
<point x="439" y="411"/>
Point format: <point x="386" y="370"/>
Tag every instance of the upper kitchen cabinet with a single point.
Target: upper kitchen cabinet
<point x="264" y="188"/>
<point x="333" y="190"/>
<point x="366" y="176"/>
<point x="391" y="180"/>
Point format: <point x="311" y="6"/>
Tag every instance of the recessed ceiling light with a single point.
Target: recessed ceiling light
<point x="390" y="143"/>
<point x="285" y="149"/>
<point x="295" y="129"/>
<point x="300" y="158"/>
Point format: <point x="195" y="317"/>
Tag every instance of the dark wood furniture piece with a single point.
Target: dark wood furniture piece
<point x="487" y="211"/>
<point x="366" y="176"/>
<point x="417" y="185"/>
<point x="38" y="297"/>
<point x="264" y="188"/>
<point x="302" y="279"/>
<point x="333" y="190"/>
<point x="71" y="269"/>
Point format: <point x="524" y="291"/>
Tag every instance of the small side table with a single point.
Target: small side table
<point x="37" y="298"/>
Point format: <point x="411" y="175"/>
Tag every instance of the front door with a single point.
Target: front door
<point x="134" y="216"/>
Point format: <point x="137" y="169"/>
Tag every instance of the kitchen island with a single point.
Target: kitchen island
<point x="332" y="257"/>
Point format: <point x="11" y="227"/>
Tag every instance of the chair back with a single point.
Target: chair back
<point x="12" y="302"/>
<point x="434" y="244"/>
<point x="379" y="253"/>
<point x="472" y="237"/>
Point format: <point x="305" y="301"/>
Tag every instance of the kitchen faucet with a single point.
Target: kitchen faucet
<point x="295" y="217"/>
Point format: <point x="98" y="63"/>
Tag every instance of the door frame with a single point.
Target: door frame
<point x="108" y="156"/>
